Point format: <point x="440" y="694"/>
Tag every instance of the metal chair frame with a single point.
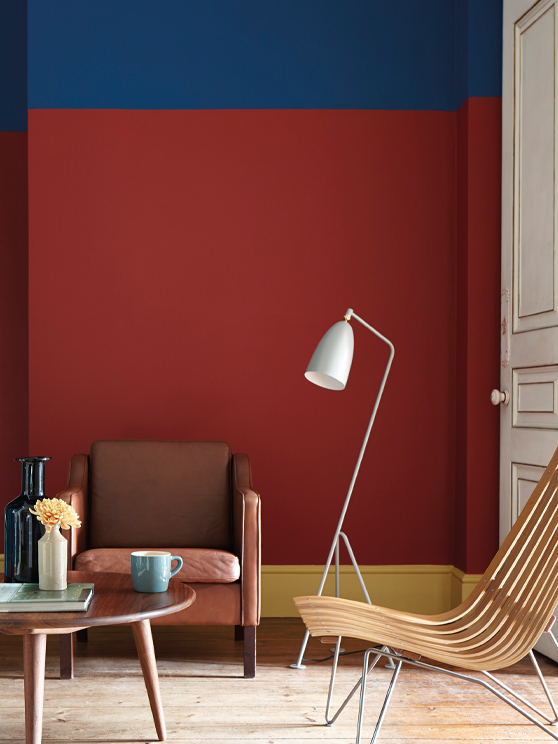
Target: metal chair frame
<point x="496" y="626"/>
<point x="367" y="667"/>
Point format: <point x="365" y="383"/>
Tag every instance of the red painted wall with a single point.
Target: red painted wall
<point x="183" y="266"/>
<point x="478" y="342"/>
<point x="14" y="413"/>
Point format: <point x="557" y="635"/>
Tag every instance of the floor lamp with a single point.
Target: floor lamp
<point x="329" y="368"/>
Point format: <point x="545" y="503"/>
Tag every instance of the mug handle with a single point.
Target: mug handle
<point x="177" y="569"/>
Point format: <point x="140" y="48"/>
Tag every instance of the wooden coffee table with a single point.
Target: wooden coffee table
<point x="114" y="602"/>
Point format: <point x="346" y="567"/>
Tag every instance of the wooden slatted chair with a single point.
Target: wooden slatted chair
<point x="496" y="626"/>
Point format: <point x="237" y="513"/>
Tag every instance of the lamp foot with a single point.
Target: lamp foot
<point x="297" y="666"/>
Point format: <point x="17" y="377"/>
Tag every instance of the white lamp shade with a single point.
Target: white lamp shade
<point x="331" y="362"/>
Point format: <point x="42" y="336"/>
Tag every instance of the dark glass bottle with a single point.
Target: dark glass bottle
<point x="22" y="530"/>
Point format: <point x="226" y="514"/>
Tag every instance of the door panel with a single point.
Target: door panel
<point x="529" y="352"/>
<point x="524" y="480"/>
<point x="535" y="397"/>
<point x="534" y="113"/>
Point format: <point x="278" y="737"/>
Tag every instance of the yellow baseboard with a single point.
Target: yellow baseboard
<point x="425" y="589"/>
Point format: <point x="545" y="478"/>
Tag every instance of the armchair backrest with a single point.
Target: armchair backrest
<point x="159" y="494"/>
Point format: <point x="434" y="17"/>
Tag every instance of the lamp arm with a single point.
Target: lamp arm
<point x="364" y="443"/>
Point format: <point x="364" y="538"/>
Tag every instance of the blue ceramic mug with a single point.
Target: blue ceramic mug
<point x="151" y="570"/>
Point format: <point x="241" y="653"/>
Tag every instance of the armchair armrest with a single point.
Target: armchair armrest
<point x="247" y="539"/>
<point x="76" y="495"/>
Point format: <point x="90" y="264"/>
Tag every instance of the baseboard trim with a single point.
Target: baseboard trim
<point x="425" y="589"/>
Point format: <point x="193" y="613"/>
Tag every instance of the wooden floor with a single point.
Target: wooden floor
<point x="207" y="701"/>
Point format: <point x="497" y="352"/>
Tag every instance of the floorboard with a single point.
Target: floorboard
<point x="207" y="700"/>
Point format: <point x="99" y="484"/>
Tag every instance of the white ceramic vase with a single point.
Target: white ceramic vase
<point x="53" y="558"/>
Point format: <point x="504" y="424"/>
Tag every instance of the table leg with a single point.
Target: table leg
<point x="34" y="650"/>
<point x="67" y="656"/>
<point x="146" y="653"/>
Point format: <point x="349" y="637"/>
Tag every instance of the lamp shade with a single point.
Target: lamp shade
<point x="331" y="362"/>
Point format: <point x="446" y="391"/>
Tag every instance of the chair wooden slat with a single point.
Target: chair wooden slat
<point x="501" y="620"/>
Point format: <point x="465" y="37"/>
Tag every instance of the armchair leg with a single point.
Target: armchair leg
<point x="249" y="651"/>
<point x="67" y="656"/>
<point x="238" y="632"/>
<point x="81" y="636"/>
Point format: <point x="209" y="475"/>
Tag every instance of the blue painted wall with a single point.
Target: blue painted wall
<point x="13" y="66"/>
<point x="279" y="54"/>
<point x="478" y="49"/>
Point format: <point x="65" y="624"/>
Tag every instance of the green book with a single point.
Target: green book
<point x="29" y="598"/>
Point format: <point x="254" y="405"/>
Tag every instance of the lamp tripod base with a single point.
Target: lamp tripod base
<point x="299" y="664"/>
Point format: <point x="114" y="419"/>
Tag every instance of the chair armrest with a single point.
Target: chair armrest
<point x="76" y="495"/>
<point x="247" y="539"/>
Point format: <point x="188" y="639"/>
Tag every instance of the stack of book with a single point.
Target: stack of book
<point x="29" y="598"/>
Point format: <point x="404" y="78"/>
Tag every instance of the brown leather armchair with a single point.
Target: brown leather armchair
<point x="194" y="499"/>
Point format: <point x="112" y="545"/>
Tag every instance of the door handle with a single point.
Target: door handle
<point x="497" y="397"/>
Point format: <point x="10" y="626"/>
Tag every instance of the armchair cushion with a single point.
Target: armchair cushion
<point x="160" y="494"/>
<point x="203" y="566"/>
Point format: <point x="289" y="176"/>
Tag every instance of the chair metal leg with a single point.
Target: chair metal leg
<point x="386" y="701"/>
<point x="493" y="690"/>
<point x="391" y="687"/>
<point x="341" y="708"/>
<point x="362" y="693"/>
<point x="545" y="688"/>
<point x="399" y="659"/>
<point x="517" y="696"/>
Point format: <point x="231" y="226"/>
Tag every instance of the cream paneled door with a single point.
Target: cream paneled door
<point x="529" y="340"/>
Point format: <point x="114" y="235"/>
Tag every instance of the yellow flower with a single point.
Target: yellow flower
<point x="51" y="512"/>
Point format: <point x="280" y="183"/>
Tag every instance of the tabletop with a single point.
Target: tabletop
<point x="115" y="601"/>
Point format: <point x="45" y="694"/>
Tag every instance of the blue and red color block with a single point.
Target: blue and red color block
<point x="210" y="184"/>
